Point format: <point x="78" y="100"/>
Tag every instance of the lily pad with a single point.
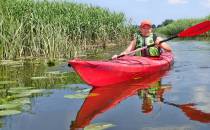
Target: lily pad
<point x="10" y="62"/>
<point x="76" y="96"/>
<point x="16" y="66"/>
<point x="77" y="87"/>
<point x="21" y="95"/>
<point x="28" y="93"/>
<point x="33" y="91"/>
<point x="63" y="77"/>
<point x="7" y="82"/>
<point x="54" y="72"/>
<point x="21" y="101"/>
<point x="8" y="106"/>
<point x="9" y="112"/>
<point x="38" y="78"/>
<point x="19" y="89"/>
<point x="85" y="90"/>
<point x="99" y="126"/>
<point x="80" y="96"/>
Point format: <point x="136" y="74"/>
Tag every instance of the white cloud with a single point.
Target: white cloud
<point x="207" y="3"/>
<point x="178" y="1"/>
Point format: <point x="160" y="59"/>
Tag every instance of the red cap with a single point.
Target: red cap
<point x="146" y="22"/>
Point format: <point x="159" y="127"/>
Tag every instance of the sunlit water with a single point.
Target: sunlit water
<point x="183" y="104"/>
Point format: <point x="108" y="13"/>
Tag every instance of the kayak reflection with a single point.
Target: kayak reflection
<point x="149" y="89"/>
<point x="108" y="97"/>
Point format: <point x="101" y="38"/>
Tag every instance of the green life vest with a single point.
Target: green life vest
<point x="145" y="41"/>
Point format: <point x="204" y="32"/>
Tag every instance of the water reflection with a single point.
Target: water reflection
<point x="22" y="80"/>
<point x="154" y="93"/>
<point x="149" y="90"/>
<point x="108" y="97"/>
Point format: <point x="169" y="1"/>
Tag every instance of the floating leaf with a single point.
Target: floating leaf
<point x="9" y="112"/>
<point x="10" y="62"/>
<point x="85" y="90"/>
<point x="80" y="96"/>
<point x="28" y="93"/>
<point x="9" y="106"/>
<point x="76" y="96"/>
<point x="7" y="82"/>
<point x="16" y="66"/>
<point x="54" y="72"/>
<point x="33" y="91"/>
<point x="21" y="101"/>
<point x="37" y="78"/>
<point x="21" y="95"/>
<point x="99" y="126"/>
<point x="62" y="77"/>
<point x="77" y="87"/>
<point x="19" y="89"/>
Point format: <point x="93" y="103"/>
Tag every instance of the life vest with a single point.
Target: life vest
<point x="145" y="41"/>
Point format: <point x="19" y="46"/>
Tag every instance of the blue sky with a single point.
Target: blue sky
<point x="155" y="10"/>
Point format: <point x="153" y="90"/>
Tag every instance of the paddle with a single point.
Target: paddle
<point x="189" y="32"/>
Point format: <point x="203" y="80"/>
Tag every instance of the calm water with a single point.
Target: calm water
<point x="52" y="98"/>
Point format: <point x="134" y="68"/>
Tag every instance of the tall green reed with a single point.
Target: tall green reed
<point x="56" y="29"/>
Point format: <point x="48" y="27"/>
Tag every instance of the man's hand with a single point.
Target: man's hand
<point x="157" y="42"/>
<point x="121" y="54"/>
<point x="114" y="56"/>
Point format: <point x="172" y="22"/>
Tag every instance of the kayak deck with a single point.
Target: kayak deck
<point x="103" y="73"/>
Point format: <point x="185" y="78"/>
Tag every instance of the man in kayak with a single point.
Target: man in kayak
<point x="145" y="37"/>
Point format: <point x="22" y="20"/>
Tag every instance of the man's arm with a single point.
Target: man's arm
<point x="130" y="48"/>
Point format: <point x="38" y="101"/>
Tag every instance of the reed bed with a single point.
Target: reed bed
<point x="57" y="29"/>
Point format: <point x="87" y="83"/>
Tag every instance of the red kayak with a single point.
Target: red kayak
<point x="103" y="73"/>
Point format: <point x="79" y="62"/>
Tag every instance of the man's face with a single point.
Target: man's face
<point x="145" y="30"/>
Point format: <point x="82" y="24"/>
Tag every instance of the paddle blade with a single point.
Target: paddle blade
<point x="196" y="29"/>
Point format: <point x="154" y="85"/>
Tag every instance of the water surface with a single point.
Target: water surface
<point x="54" y="97"/>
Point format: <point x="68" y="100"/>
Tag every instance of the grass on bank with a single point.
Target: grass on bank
<point x="179" y="25"/>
